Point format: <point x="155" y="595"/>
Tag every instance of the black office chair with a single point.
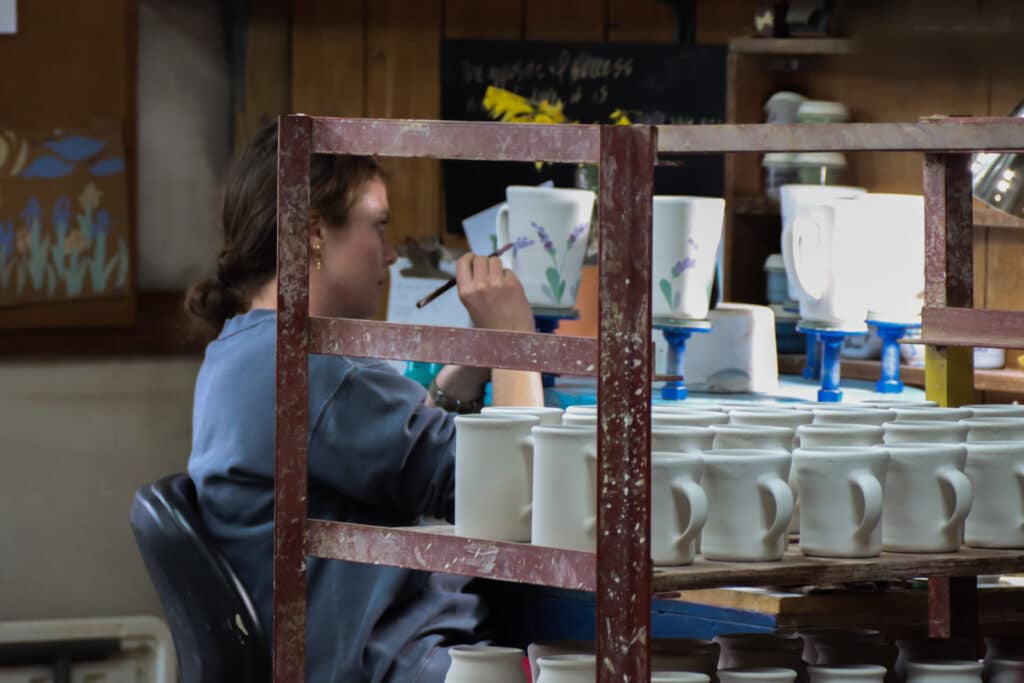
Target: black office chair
<point x="217" y="633"/>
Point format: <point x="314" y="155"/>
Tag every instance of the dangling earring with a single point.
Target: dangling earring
<point x="317" y="260"/>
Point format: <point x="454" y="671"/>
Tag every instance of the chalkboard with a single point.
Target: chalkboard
<point x="652" y="83"/>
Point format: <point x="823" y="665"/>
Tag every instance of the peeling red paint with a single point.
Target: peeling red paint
<point x="962" y="134"/>
<point x="292" y="402"/>
<point x="949" y="231"/>
<point x="566" y="143"/>
<point x="488" y="348"/>
<point x="624" y="394"/>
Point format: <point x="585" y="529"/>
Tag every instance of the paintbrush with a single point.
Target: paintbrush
<point x="452" y="282"/>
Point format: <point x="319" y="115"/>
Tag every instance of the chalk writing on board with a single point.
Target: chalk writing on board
<point x="653" y="84"/>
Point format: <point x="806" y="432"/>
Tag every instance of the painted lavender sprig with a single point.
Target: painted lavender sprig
<point x="668" y="290"/>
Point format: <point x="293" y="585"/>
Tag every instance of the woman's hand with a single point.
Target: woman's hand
<point x="493" y="294"/>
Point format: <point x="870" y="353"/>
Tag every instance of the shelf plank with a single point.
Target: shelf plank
<point x="984" y="217"/>
<point x="562" y="354"/>
<point x="972" y="327"/>
<point x="477" y="140"/>
<point x="965" y="134"/>
<point x="1006" y="380"/>
<point x="437" y="549"/>
<point x="792" y="46"/>
<point x="797" y="570"/>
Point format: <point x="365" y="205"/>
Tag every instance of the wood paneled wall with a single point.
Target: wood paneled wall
<point x="381" y="58"/>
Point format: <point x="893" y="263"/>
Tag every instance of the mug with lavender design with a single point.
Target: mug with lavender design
<point x="687" y="231"/>
<point x="549" y="227"/>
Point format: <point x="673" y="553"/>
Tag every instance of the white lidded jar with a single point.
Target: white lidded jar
<point x="568" y="669"/>
<point x="485" y="664"/>
<point x="951" y="671"/>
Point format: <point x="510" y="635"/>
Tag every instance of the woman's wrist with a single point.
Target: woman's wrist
<point x="462" y="382"/>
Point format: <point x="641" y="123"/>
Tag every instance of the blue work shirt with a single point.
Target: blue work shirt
<point x="377" y="455"/>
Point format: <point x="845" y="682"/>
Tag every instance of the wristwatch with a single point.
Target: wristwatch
<point x="452" y="404"/>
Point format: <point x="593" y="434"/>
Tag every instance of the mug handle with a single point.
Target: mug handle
<point x="590" y="520"/>
<point x="871" y="493"/>
<point x="783" y="497"/>
<point x="806" y="229"/>
<point x="687" y="492"/>
<point x="962" y="493"/>
<point x="502" y="230"/>
<point x="1019" y="471"/>
<point x="526" y="447"/>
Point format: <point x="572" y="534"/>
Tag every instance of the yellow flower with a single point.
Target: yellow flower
<point x="507" y="106"/>
<point x="619" y="118"/>
<point x="549" y="113"/>
<point x="90" y="197"/>
<point x="76" y="242"/>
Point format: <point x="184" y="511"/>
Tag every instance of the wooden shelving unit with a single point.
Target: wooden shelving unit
<point x="620" y="572"/>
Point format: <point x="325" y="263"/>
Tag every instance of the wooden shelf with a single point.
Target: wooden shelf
<point x="437" y="549"/>
<point x="1005" y="380"/>
<point x="792" y="46"/>
<point x="984" y="217"/>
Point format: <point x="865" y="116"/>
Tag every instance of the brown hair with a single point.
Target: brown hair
<point x="248" y="257"/>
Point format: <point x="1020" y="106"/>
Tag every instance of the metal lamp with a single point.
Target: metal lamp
<point x="999" y="178"/>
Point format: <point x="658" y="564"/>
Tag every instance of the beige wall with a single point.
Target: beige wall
<point x="76" y="440"/>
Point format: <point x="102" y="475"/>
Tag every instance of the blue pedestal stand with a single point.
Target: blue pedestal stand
<point x="831" y="341"/>
<point x="676" y="333"/>
<point x="812" y="368"/>
<point x="546" y="321"/>
<point x="889" y="382"/>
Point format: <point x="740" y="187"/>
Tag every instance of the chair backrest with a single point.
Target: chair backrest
<point x="216" y="630"/>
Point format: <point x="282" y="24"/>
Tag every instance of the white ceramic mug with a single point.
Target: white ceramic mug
<point x="841" y="491"/>
<point x="741" y="526"/>
<point x="815" y="435"/>
<point x="796" y="200"/>
<point x="766" y="437"/>
<point x="996" y="471"/>
<point x="952" y="671"/>
<point x="925" y="431"/>
<point x="931" y="650"/>
<point x="493" y="476"/>
<point x="917" y="414"/>
<point x="1005" y="670"/>
<point x="852" y="415"/>
<point x="772" y="418"/>
<point x="565" y="487"/>
<point x="692" y="418"/>
<point x="687" y="231"/>
<point x="848" y="673"/>
<point x="996" y="410"/>
<point x="927" y="498"/>
<point x="757" y="675"/>
<point x="681" y="439"/>
<point x="679" y="507"/>
<point x="485" y="664"/>
<point x="549" y="227"/>
<point x="994" y="429"/>
<point x="577" y="668"/>
<point x="547" y="416"/>
<point x="831" y="261"/>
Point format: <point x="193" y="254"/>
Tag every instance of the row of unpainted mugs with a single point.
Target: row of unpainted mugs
<point x="729" y="481"/>
<point x="812" y="655"/>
